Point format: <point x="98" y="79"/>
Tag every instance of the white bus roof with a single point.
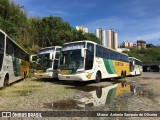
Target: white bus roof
<point x="135" y="59"/>
<point x="80" y="41"/>
<point x="52" y="47"/>
<point x="95" y="44"/>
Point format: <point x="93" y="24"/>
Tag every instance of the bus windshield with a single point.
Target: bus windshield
<point x="43" y="64"/>
<point x="71" y="59"/>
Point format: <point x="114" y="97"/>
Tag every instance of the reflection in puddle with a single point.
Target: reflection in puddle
<point x="97" y="96"/>
<point x="106" y="95"/>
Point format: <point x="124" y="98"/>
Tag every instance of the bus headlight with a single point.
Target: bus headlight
<point x="78" y="72"/>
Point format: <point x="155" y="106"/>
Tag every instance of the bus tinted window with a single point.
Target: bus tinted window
<point x="14" y="50"/>
<point x="99" y="51"/>
<point x="2" y="42"/>
<point x="110" y="54"/>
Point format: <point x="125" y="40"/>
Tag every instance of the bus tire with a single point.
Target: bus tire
<point x="25" y="75"/>
<point x="99" y="92"/>
<point x="98" y="77"/>
<point x="122" y="74"/>
<point x="6" y="81"/>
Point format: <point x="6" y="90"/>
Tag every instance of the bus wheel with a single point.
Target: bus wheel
<point x="6" y="81"/>
<point x="25" y="75"/>
<point x="98" y="77"/>
<point x="125" y="74"/>
<point x="122" y="74"/>
<point x="99" y="92"/>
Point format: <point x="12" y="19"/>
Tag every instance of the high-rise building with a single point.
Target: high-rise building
<point x="141" y="44"/>
<point x="127" y="44"/>
<point x="99" y="34"/>
<point x="110" y="39"/>
<point x="84" y="29"/>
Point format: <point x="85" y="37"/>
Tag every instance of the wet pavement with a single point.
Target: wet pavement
<point x="88" y="97"/>
<point x="139" y="93"/>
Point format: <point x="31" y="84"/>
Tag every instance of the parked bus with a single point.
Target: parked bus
<point x="135" y="66"/>
<point x="14" y="61"/>
<point x="86" y="60"/>
<point x="46" y="62"/>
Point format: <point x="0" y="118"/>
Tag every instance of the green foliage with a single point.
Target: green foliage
<point x="146" y="55"/>
<point x="34" y="33"/>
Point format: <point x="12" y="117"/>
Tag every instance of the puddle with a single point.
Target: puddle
<point x="97" y="96"/>
<point x="62" y="105"/>
<point x="146" y="78"/>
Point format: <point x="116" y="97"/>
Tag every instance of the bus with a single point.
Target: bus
<point x="135" y="66"/>
<point x="45" y="63"/>
<point x="14" y="61"/>
<point x="86" y="60"/>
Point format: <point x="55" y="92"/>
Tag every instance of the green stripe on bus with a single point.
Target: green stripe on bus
<point x="111" y="95"/>
<point x="71" y="71"/>
<point x="109" y="66"/>
<point x="16" y="66"/>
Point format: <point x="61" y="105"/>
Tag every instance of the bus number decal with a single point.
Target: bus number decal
<point x="119" y="64"/>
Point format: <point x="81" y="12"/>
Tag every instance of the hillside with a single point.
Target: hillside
<point x="146" y="55"/>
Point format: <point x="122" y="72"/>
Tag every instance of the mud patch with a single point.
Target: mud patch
<point x="62" y="105"/>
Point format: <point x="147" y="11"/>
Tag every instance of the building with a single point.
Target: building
<point x="99" y="34"/>
<point x="127" y="44"/>
<point x="84" y="29"/>
<point x="110" y="39"/>
<point x="141" y="44"/>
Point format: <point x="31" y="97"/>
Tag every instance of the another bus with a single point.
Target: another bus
<point x="135" y="66"/>
<point x="46" y="62"/>
<point x="86" y="60"/>
<point x="14" y="61"/>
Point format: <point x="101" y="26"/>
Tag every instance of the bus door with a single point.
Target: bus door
<point x="89" y="56"/>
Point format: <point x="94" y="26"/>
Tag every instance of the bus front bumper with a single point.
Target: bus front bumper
<point x="45" y="75"/>
<point x="74" y="77"/>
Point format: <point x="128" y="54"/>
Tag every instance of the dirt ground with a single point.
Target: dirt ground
<point x="52" y="95"/>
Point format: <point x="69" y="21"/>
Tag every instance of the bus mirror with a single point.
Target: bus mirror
<point x="83" y="51"/>
<point x="52" y="56"/>
<point x="33" y="58"/>
<point x="38" y="61"/>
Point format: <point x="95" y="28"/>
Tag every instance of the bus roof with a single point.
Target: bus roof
<point x="136" y="58"/>
<point x="13" y="41"/>
<point x="95" y="44"/>
<point x="52" y="47"/>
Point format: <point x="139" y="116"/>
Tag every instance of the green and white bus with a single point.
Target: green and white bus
<point x="14" y="61"/>
<point x="86" y="60"/>
<point x="135" y="66"/>
<point x="46" y="62"/>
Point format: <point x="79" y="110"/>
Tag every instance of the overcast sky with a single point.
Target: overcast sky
<point x="131" y="19"/>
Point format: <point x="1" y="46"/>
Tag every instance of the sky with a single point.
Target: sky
<point x="132" y="19"/>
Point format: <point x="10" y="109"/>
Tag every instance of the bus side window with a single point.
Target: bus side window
<point x="9" y="47"/>
<point x="57" y="55"/>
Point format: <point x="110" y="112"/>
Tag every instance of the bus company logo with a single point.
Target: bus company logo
<point x="99" y="62"/>
<point x="119" y="64"/>
<point x="6" y="114"/>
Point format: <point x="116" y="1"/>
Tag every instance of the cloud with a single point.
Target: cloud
<point x="105" y="23"/>
<point x="128" y="29"/>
